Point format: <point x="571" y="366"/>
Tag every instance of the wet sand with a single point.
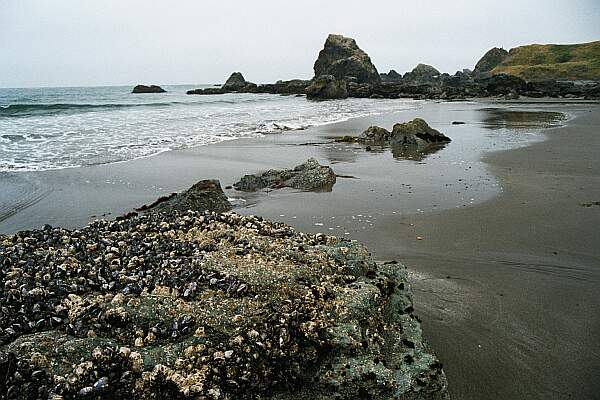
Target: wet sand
<point x="507" y="276"/>
<point x="511" y="287"/>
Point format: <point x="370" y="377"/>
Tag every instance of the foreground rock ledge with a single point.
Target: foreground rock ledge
<point x="206" y="306"/>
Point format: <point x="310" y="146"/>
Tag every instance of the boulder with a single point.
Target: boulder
<point x="206" y="306"/>
<point x="310" y="176"/>
<point x="148" y="89"/>
<point x="235" y="82"/>
<point x="327" y="87"/>
<point x="416" y="133"/>
<point x="375" y="134"/>
<point x="342" y="58"/>
<point x="490" y="60"/>
<point x="422" y="73"/>
<point x="205" y="195"/>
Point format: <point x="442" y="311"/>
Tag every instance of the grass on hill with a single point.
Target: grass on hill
<point x="552" y="61"/>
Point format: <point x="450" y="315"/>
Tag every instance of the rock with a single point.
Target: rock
<point x="148" y="89"/>
<point x="317" y="318"/>
<point x="342" y="58"/>
<point x="490" y="60"/>
<point x="207" y="91"/>
<point x="416" y="133"/>
<point x="593" y="93"/>
<point x="235" y="82"/>
<point x="375" y="134"/>
<point x="360" y="90"/>
<point x="422" y="73"/>
<point x="391" y="76"/>
<point x="310" y="176"/>
<point x="502" y="84"/>
<point x="205" y="195"/>
<point x="327" y="87"/>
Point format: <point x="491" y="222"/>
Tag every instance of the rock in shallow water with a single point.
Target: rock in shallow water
<point x="413" y="133"/>
<point x="199" y="305"/>
<point x="309" y="176"/>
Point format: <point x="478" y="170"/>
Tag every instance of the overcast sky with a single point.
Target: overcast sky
<point x="109" y="42"/>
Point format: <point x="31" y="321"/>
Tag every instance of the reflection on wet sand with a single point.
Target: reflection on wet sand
<point x="501" y="118"/>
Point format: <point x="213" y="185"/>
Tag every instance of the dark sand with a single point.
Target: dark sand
<point x="507" y="277"/>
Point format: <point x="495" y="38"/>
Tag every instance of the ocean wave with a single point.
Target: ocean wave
<point x="28" y="110"/>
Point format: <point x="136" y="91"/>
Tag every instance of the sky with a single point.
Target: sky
<point x="125" y="42"/>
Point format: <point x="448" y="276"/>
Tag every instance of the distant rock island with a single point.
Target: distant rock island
<point x="343" y="69"/>
<point x="148" y="89"/>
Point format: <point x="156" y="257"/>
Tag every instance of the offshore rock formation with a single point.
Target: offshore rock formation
<point x="206" y="306"/>
<point x="422" y="73"/>
<point x="344" y="70"/>
<point x="342" y="58"/>
<point x="148" y="89"/>
<point x="205" y="195"/>
<point x="310" y="176"/>
<point x="327" y="87"/>
<point x="235" y="82"/>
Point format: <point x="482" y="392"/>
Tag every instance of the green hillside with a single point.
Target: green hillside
<point x="552" y="61"/>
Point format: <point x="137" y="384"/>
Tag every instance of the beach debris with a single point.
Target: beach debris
<point x="309" y="176"/>
<point x="205" y="305"/>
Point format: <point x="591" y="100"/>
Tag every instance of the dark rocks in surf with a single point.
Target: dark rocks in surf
<point x="148" y="89"/>
<point x="309" y="176"/>
<point x="327" y="87"/>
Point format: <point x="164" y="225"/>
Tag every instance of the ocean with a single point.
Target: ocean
<point x="54" y="128"/>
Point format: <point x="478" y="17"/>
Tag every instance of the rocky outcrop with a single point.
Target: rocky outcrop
<point x="235" y="82"/>
<point x="310" y="176"/>
<point x="413" y="133"/>
<point x="206" y="306"/>
<point x="205" y="195"/>
<point x="342" y="58"/>
<point x="391" y="76"/>
<point x="327" y="87"/>
<point x="148" y="89"/>
<point x="422" y="73"/>
<point x="490" y="60"/>
<point x="502" y="84"/>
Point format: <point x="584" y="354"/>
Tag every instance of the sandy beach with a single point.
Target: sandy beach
<point x="506" y="273"/>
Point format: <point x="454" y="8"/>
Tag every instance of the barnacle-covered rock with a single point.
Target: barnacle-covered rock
<point x="209" y="306"/>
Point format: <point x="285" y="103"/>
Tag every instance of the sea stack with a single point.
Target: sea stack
<point x="342" y="58"/>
